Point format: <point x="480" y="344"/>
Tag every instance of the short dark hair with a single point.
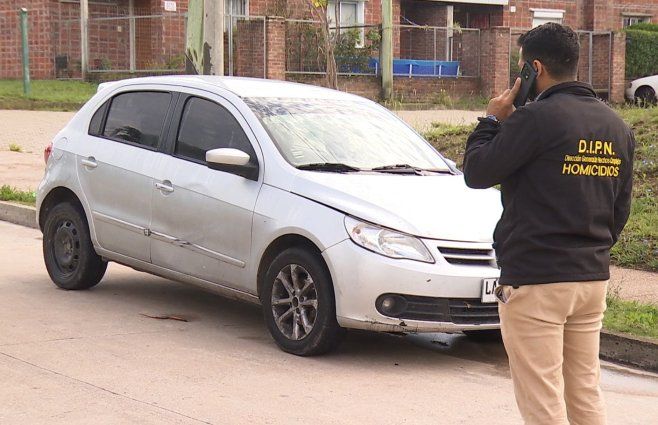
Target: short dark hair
<point x="555" y="46"/>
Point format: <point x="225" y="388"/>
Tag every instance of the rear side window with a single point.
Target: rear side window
<point x="206" y="125"/>
<point x="137" y="117"/>
<point x="95" y="126"/>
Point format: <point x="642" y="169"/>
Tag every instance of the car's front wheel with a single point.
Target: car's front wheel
<point x="68" y="252"/>
<point x="299" y="304"/>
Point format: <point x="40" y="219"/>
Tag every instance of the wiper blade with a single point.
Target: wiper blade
<point x="335" y="167"/>
<point x="408" y="169"/>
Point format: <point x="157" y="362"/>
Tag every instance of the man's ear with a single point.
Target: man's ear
<point x="539" y="67"/>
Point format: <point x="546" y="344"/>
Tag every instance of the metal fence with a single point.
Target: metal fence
<point x="137" y="43"/>
<point x="356" y="48"/>
<point x="437" y="51"/>
<point x="245" y="46"/>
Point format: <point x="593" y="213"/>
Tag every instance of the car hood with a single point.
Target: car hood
<point x="435" y="207"/>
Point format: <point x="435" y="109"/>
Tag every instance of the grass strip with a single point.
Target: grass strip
<point x="631" y="317"/>
<point x="8" y="193"/>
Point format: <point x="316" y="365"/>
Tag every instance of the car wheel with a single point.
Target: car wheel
<point x="645" y="96"/>
<point x="70" y="258"/>
<point x="299" y="304"/>
<point x="488" y="335"/>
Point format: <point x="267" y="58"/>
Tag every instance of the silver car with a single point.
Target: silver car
<point x="322" y="206"/>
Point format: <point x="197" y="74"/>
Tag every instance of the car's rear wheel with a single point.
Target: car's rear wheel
<point x="299" y="304"/>
<point x="68" y="252"/>
<point x="645" y="95"/>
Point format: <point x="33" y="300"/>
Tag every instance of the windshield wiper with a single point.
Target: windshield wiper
<point x="408" y="169"/>
<point x="335" y="167"/>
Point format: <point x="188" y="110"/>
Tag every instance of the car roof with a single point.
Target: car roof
<point x="240" y="86"/>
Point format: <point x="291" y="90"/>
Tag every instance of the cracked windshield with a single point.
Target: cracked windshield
<point x="313" y="131"/>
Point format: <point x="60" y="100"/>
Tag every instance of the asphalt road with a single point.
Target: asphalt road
<point x="93" y="357"/>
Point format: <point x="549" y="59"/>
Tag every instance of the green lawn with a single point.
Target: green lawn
<point x="631" y="317"/>
<point x="54" y="95"/>
<point x="638" y="246"/>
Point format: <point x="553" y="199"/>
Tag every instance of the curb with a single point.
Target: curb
<point x="629" y="350"/>
<point x="18" y="214"/>
<point x="615" y="347"/>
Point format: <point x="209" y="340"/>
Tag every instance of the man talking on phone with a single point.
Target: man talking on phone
<point x="564" y="164"/>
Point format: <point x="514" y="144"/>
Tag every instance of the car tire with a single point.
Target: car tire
<point x="488" y="335"/>
<point x="68" y="252"/>
<point x="645" y="96"/>
<point x="299" y="305"/>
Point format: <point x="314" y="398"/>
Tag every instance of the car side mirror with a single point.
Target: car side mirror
<point x="232" y="161"/>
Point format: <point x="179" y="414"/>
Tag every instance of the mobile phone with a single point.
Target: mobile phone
<point x="528" y="76"/>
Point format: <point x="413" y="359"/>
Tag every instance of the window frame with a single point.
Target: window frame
<point x="107" y="104"/>
<point x="547" y="15"/>
<point x="360" y="18"/>
<point x="639" y="18"/>
<point x="175" y="127"/>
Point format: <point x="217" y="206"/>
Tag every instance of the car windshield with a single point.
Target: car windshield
<point x="351" y="133"/>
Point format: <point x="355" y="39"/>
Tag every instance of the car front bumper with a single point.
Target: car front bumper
<point x="448" y="294"/>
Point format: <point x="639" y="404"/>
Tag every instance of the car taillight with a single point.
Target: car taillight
<point x="47" y="152"/>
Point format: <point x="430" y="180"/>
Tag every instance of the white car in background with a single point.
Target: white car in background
<point x="322" y="206"/>
<point x="643" y="90"/>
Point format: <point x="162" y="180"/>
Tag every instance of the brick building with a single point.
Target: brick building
<point x="148" y="35"/>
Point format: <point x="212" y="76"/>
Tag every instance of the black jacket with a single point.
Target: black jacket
<point x="564" y="164"/>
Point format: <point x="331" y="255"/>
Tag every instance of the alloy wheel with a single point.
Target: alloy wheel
<point x="294" y="302"/>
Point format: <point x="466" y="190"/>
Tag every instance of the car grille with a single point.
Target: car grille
<point x="463" y="311"/>
<point x="473" y="312"/>
<point x="477" y="255"/>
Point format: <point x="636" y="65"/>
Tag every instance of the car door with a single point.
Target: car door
<point x="115" y="164"/>
<point x="202" y="218"/>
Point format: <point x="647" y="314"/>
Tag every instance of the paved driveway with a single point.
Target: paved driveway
<point x="91" y="357"/>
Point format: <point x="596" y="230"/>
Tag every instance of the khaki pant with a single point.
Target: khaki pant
<point x="551" y="335"/>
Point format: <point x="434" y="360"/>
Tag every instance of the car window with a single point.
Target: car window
<point x="206" y="125"/>
<point x="97" y="120"/>
<point x="137" y="117"/>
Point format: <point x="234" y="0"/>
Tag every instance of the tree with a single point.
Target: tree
<point x="319" y="12"/>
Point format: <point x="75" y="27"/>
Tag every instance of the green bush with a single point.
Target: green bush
<point x="641" y="50"/>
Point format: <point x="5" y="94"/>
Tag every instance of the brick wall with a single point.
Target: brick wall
<point x="494" y="57"/>
<point x="276" y="48"/>
<point x="618" y="65"/>
<point x="39" y="39"/>
<point x="249" y="50"/>
<point x="413" y="90"/>
<point x="420" y="43"/>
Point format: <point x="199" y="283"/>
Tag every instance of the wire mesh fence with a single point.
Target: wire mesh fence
<point x="437" y="51"/>
<point x="356" y="48"/>
<point x="244" y="46"/>
<point x="119" y="41"/>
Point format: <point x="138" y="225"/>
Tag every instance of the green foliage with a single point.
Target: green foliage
<point x="351" y="55"/>
<point x="631" y="317"/>
<point x="8" y="193"/>
<point x="641" y="51"/>
<point x="644" y="26"/>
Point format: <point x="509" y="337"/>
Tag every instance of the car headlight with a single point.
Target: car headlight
<point x="387" y="242"/>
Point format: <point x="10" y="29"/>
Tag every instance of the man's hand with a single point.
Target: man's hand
<point x="502" y="106"/>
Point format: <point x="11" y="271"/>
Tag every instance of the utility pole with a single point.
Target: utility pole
<point x="205" y="37"/>
<point x="386" y="49"/>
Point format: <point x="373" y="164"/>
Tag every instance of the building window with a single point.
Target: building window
<point x="543" y="16"/>
<point x="351" y="15"/>
<point x="629" y="20"/>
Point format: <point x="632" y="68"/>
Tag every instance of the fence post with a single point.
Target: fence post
<point x="386" y="50"/>
<point x="26" y="53"/>
<point x="84" y="41"/>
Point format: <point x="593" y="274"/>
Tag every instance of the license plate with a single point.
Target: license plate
<point x="488" y="288"/>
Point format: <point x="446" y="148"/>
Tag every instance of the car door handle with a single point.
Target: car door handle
<point x="165" y="186"/>
<point x="89" y="162"/>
